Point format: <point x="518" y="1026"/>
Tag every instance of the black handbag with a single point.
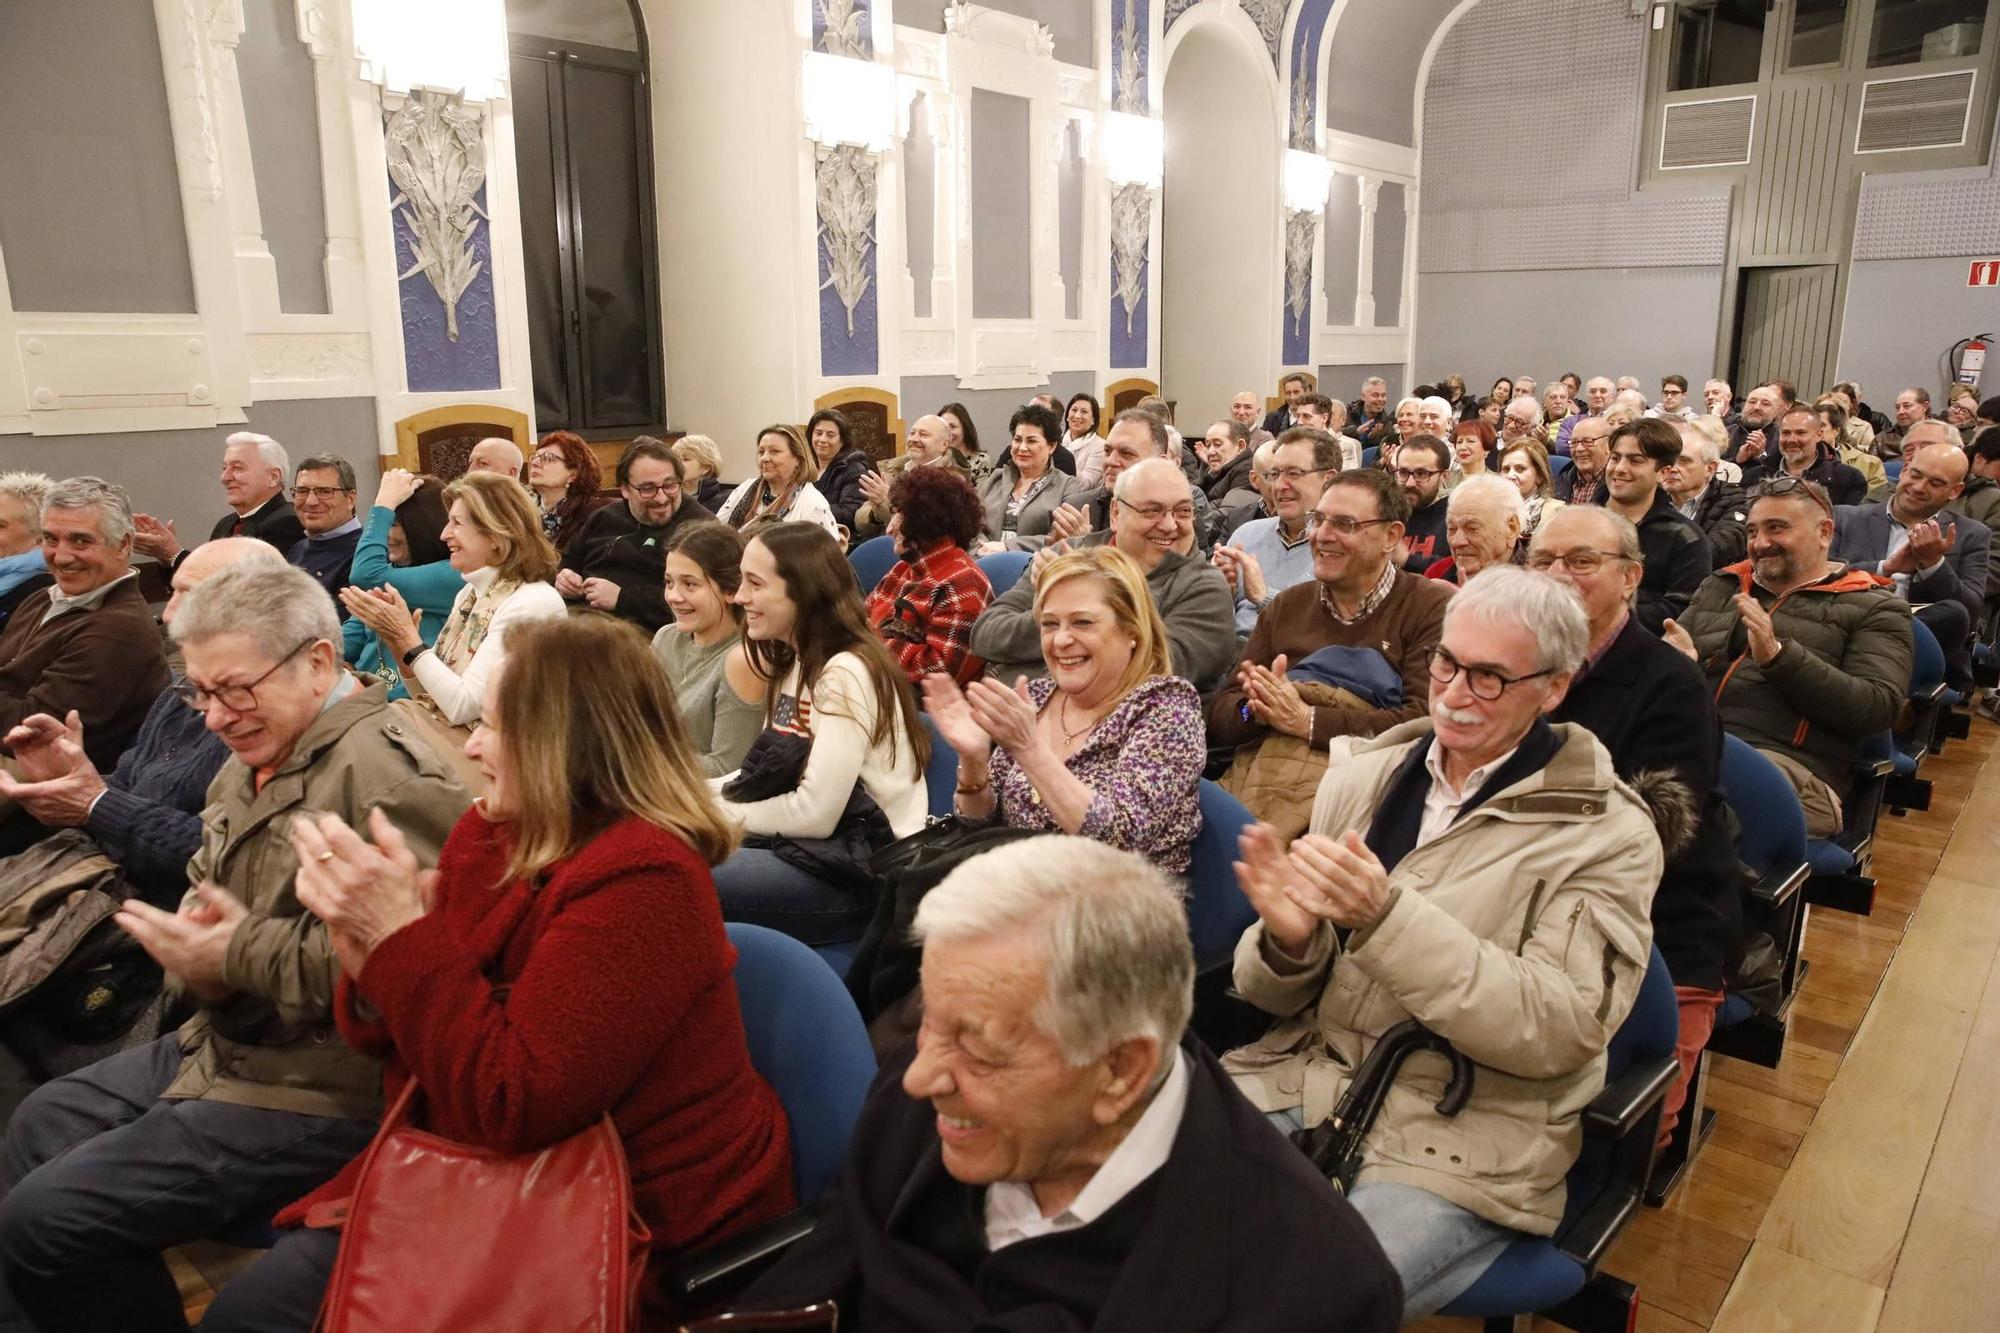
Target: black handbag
<point x="885" y="965"/>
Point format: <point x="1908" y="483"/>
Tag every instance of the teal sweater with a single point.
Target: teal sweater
<point x="430" y="589"/>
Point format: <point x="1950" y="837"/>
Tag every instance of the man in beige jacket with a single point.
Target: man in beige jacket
<point x="1487" y="874"/>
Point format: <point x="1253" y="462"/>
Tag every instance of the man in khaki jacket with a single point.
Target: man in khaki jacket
<point x="256" y="1100"/>
<point x="1487" y="874"/>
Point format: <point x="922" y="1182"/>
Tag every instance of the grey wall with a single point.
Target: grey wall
<point x="276" y="72"/>
<point x="1069" y="20"/>
<point x="172" y="473"/>
<point x="1371" y="72"/>
<point x="990" y="408"/>
<point x="1344" y="382"/>
<point x="1002" y="272"/>
<point x="1903" y="314"/>
<point x="1638" y="321"/>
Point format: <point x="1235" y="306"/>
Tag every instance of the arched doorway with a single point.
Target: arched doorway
<point x="1219" y="222"/>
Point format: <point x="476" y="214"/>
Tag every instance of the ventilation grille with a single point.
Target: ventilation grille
<point x="1707" y="134"/>
<point x="1926" y="111"/>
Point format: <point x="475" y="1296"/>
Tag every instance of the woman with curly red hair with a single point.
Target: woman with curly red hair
<point x="924" y="606"/>
<point x="563" y="474"/>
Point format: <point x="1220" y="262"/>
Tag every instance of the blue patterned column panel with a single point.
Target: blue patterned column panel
<point x="843" y="28"/>
<point x="436" y="153"/>
<point x="1131" y="56"/>
<point x="844" y="187"/>
<point x="1131" y="273"/>
<point x="1305" y="72"/>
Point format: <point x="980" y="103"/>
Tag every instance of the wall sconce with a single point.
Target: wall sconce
<point x="452" y="46"/>
<point x="1134" y="149"/>
<point x="849" y="101"/>
<point x="1307" y="176"/>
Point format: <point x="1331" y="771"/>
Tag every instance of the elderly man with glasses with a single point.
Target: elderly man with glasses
<point x="1808" y="657"/>
<point x="253" y="481"/>
<point x="1268" y="555"/>
<point x="256" y="1100"/>
<point x="618" y="561"/>
<point x="1483" y="872"/>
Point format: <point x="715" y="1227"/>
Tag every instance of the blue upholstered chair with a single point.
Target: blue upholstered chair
<point x="1004" y="570"/>
<point x="1218" y="913"/>
<point x="871" y="560"/>
<point x="1371" y="455"/>
<point x="1558" y="1277"/>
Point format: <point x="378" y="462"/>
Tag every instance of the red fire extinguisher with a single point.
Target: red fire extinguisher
<point x="1971" y="362"/>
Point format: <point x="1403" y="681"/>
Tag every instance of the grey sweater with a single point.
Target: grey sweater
<point x="720" y="725"/>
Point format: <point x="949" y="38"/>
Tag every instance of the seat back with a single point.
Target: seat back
<point x="941" y="776"/>
<point x="1558" y="464"/>
<point x="1218" y="913"/>
<point x="1773" y="825"/>
<point x="1927" y="670"/>
<point x="1004" y="570"/>
<point x="1371" y="455"/>
<point x="871" y="560"/>
<point x="807" y="1039"/>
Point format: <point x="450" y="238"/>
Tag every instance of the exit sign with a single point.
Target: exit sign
<point x="1985" y="273"/>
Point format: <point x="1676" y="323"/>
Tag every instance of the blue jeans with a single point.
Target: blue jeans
<point x="756" y="885"/>
<point x="1438" y="1248"/>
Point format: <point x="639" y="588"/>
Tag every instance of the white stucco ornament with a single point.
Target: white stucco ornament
<point x="437" y="159"/>
<point x="845" y="185"/>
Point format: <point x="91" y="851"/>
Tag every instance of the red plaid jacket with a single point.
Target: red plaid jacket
<point x="924" y="609"/>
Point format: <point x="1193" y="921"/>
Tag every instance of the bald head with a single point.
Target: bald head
<point x="211" y="558"/>
<point x="495" y="454"/>
<point x="929" y="438"/>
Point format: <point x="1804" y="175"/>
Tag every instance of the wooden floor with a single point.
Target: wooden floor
<point x="1857" y="1186"/>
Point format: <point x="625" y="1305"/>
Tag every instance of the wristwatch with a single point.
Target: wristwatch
<point x="410" y="658"/>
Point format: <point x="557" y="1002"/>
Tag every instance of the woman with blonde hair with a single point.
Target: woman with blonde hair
<point x="701" y="462"/>
<point x="783" y="490"/>
<point x="1109" y="745"/>
<point x="1526" y="464"/>
<point x="568" y="960"/>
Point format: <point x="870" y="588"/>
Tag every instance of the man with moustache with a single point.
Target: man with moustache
<point x="617" y="562"/>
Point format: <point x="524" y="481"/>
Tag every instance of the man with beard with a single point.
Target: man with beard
<point x="1754" y="432"/>
<point x="618" y="561"/>
<point x="1800" y="453"/>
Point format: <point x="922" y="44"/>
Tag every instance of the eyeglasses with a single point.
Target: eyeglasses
<point x="646" y="490"/>
<point x="1295" y="474"/>
<point x="1341" y="523"/>
<point x="1416" y="473"/>
<point x="1484" y="682"/>
<point x="1575" y="439"/>
<point x="546" y="456"/>
<point x="1583" y="560"/>
<point x="319" y="492"/>
<point x="236" y="698"/>
<point x="1790" y="486"/>
<point x="1154" y="513"/>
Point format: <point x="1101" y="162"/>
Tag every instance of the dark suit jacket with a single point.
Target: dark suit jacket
<point x="1236" y="1232"/>
<point x="1650" y="706"/>
<point x="1844" y="485"/>
<point x="274" y="523"/>
<point x="1278" y="422"/>
<point x="1861" y="538"/>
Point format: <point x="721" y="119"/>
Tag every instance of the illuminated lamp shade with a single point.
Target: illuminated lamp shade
<point x="849" y="101"/>
<point x="452" y="46"/>
<point x="1307" y="176"/>
<point x="1134" y="149"/>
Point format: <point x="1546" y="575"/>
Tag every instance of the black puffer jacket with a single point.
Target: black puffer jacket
<point x="1677" y="560"/>
<point x="840" y="483"/>
<point x="1235" y="476"/>
<point x="1721" y="515"/>
<point x="1841" y="673"/>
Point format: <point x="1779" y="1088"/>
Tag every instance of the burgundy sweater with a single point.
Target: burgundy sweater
<point x="622" y="999"/>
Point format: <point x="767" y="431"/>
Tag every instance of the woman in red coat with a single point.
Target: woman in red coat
<point x="571" y="961"/>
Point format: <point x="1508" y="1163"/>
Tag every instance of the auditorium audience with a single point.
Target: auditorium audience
<point x="495" y="453"/>
<point x="1152" y="522"/>
<point x="1421" y="891"/>
<point x="254" y="468"/>
<point x="1650" y="708"/>
<point x="1980" y="500"/>
<point x="1022" y="494"/>
<point x="924" y="447"/>
<point x="23" y="571"/>
<point x="1859" y="432"/>
<point x="1719" y="401"/>
<point x="1108" y="744"/>
<point x="1808" y="657"/>
<point x="1422" y="463"/>
<point x="402" y="546"/>
<point x="925" y="606"/>
<point x="841" y="464"/>
<point x="255" y="1100"/>
<point x="1268" y="555"/>
<point x="718" y="693"/>
<point x="1482" y="527"/>
<point x="1715" y="506"/>
<point x="1673" y="405"/>
<point x="783" y="490"/>
<point x="323" y="498"/>
<point x="1961" y="406"/>
<point x="961" y="440"/>
<point x="1082" y="438"/>
<point x="145" y="814"/>
<point x="1057" y="1151"/>
<point x="841" y="721"/>
<point x="1227" y="457"/>
<point x="617" y="562"/>
<point x="1677" y="555"/>
<point x="564" y="476"/>
<point x="1936" y="561"/>
<point x="1135" y="435"/>
<point x="701" y="469"/>
<point x="1526" y="464"/>
<point x="1801" y="453"/>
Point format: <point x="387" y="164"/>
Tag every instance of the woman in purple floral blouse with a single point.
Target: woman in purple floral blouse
<point x="1110" y="746"/>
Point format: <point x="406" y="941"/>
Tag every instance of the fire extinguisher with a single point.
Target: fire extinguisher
<point x="1967" y="358"/>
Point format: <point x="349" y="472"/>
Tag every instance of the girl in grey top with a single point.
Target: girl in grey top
<point x="721" y="698"/>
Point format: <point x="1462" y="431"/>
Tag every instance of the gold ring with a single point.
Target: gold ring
<point x="324" y="856"/>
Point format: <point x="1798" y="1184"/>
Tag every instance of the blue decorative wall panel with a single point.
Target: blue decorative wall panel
<point x="432" y="361"/>
<point x="1304" y="89"/>
<point x="1131" y="56"/>
<point x="1128" y="349"/>
<point x="842" y="353"/>
<point x="855" y="37"/>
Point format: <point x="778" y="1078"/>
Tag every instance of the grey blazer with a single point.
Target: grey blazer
<point x="1861" y="539"/>
<point x="997" y="487"/>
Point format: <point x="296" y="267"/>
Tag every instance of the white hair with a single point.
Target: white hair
<point x="113" y="505"/>
<point x="1374" y="380"/>
<point x="1628" y="382"/>
<point x="1489" y="488"/>
<point x="30" y="489"/>
<point x="1146" y="467"/>
<point x="1439" y="406"/>
<point x="1708" y="449"/>
<point x="279" y="606"/>
<point x="1631" y="398"/>
<point x="1109" y="926"/>
<point x="269" y="451"/>
<point x="1545" y="606"/>
<point x="1417" y="403"/>
<point x="1529" y="409"/>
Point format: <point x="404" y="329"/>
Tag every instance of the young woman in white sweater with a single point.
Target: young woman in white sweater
<point x="835" y="685"/>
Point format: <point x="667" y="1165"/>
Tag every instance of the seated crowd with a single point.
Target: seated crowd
<point x="457" y="792"/>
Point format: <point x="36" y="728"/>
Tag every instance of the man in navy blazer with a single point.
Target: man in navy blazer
<point x="1294" y="388"/>
<point x="1937" y="562"/>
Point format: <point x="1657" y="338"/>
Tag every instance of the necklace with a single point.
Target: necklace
<point x="1062" y="723"/>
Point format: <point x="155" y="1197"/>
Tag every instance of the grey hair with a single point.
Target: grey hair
<point x="1605" y="380"/>
<point x="31" y="489"/>
<point x="278" y="606"/>
<point x="1624" y="534"/>
<point x="1709" y="449"/>
<point x="1417" y="403"/>
<point x="1631" y="398"/>
<point x="1441" y="406"/>
<point x="1545" y="606"/>
<point x="333" y="463"/>
<point x="269" y="451"/>
<point x="1144" y="467"/>
<point x="1710" y="429"/>
<point x="1374" y="379"/>
<point x="1109" y="925"/>
<point x="1529" y="407"/>
<point x="1491" y="488"/>
<point x="113" y="505"/>
<point x="1627" y="382"/>
<point x="701" y="450"/>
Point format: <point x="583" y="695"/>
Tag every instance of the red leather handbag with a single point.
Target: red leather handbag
<point x="444" y="1236"/>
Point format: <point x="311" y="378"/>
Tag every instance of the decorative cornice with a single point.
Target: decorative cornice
<point x="844" y="182"/>
<point x="437" y="160"/>
<point x="327" y="356"/>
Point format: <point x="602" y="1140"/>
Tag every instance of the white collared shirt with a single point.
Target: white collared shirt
<point x="1442" y="802"/>
<point x="83" y="601"/>
<point x="1899" y="537"/>
<point x="1012" y="1213"/>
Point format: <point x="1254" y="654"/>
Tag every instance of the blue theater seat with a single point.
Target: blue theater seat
<point x="871" y="560"/>
<point x="1004" y="570"/>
